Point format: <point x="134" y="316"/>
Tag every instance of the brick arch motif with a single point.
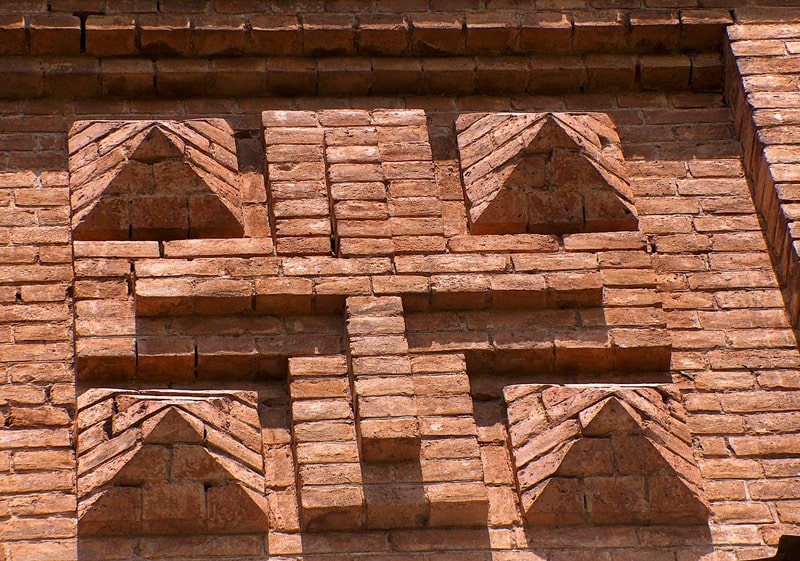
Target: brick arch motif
<point x="549" y="173"/>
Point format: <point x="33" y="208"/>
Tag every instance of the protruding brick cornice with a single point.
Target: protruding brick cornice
<point x="173" y="55"/>
<point x="384" y="34"/>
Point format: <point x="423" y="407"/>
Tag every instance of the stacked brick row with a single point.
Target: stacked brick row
<point x="330" y="481"/>
<point x="451" y="33"/>
<point x="352" y="165"/>
<point x="187" y="55"/>
<point x="28" y="77"/>
<point x="212" y="286"/>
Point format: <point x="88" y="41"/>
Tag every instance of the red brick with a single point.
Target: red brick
<point x="275" y="34"/>
<point x="165" y="35"/>
<point x="12" y="32"/>
<point x="110" y="35"/>
<point x="55" y="35"/>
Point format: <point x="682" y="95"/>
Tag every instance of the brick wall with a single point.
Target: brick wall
<point x="358" y="372"/>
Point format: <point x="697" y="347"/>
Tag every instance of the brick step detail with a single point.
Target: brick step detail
<point x="28" y="77"/>
<point x="341" y="489"/>
<point x="379" y="34"/>
<point x="329" y="478"/>
<point x="208" y="358"/>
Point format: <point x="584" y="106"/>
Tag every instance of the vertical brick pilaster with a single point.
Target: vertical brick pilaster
<point x="762" y="76"/>
<point x="450" y="456"/>
<point x="415" y="209"/>
<point x="326" y="451"/>
<point x="357" y="184"/>
<point x="298" y="194"/>
<point x="386" y="409"/>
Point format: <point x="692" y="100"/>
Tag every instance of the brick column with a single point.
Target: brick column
<point x="326" y="451"/>
<point x="386" y="409"/>
<point x="356" y="184"/>
<point x="298" y="194"/>
<point x="450" y="458"/>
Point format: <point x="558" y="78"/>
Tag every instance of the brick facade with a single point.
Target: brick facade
<point x="476" y="280"/>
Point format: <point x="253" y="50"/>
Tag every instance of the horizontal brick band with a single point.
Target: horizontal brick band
<point x="33" y="77"/>
<point x="439" y="33"/>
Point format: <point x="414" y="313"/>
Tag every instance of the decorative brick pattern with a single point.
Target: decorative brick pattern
<point x="167" y="462"/>
<point x="689" y="299"/>
<point x="544" y="173"/>
<point x="603" y="456"/>
<point x="154" y="180"/>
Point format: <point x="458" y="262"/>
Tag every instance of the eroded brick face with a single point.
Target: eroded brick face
<point x="331" y="281"/>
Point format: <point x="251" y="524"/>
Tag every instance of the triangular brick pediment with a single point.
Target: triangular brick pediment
<point x="158" y="144"/>
<point x="156" y="180"/>
<point x="171" y="427"/>
<point x="608" y="458"/>
<point x="544" y="173"/>
<point x="176" y="478"/>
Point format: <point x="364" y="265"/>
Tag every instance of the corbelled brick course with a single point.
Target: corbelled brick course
<point x="350" y="369"/>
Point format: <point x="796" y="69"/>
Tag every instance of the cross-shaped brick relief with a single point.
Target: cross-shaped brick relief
<point x="319" y="340"/>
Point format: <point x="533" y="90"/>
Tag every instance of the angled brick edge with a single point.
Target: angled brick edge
<point x="769" y="133"/>
<point x="597" y="454"/>
<point x="152" y="179"/>
<point x="199" y="451"/>
<point x="544" y="173"/>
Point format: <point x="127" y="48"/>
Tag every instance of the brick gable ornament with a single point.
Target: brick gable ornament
<point x="544" y="173"/>
<point x="170" y="462"/>
<point x="603" y="455"/>
<point x="154" y="180"/>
